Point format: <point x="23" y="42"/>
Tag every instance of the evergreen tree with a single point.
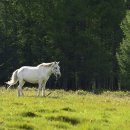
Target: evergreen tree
<point x="84" y="35"/>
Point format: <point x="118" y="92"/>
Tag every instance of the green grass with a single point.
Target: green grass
<point x="62" y="110"/>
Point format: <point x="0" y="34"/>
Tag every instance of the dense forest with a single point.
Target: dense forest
<point x="90" y="38"/>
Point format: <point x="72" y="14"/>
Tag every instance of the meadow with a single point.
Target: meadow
<point x="61" y="110"/>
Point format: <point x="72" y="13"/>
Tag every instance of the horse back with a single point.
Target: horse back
<point x="28" y="73"/>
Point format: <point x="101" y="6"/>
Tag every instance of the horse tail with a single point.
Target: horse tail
<point x="14" y="79"/>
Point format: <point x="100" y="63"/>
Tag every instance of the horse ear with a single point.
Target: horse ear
<point x="53" y="63"/>
<point x="58" y="62"/>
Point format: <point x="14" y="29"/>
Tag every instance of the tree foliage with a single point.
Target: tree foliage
<point x="83" y="34"/>
<point x="124" y="54"/>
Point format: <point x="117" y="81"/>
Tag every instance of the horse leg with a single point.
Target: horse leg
<point x="39" y="88"/>
<point x="18" y="91"/>
<point x="21" y="83"/>
<point x="43" y="88"/>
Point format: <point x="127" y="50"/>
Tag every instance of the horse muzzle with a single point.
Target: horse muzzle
<point x="58" y="76"/>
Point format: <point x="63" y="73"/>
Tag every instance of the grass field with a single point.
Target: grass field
<point x="62" y="110"/>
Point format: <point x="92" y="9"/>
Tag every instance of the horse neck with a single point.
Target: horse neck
<point x="47" y="70"/>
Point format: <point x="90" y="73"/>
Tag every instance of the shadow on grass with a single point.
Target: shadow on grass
<point x="1" y="122"/>
<point x="68" y="109"/>
<point x="19" y="104"/>
<point x="72" y="121"/>
<point x="60" y="126"/>
<point x="47" y="111"/>
<point x="29" y="114"/>
<point x="26" y="127"/>
<point x="111" y="109"/>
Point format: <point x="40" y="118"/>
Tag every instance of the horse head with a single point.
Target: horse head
<point x="56" y="70"/>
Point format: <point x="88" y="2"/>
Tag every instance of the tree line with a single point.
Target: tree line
<point x="86" y="36"/>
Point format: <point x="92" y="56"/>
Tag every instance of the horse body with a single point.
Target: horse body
<point x="39" y="74"/>
<point x="33" y="74"/>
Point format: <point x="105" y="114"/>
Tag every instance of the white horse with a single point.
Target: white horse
<point x="39" y="74"/>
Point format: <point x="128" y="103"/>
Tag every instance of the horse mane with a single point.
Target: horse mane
<point x="45" y="64"/>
